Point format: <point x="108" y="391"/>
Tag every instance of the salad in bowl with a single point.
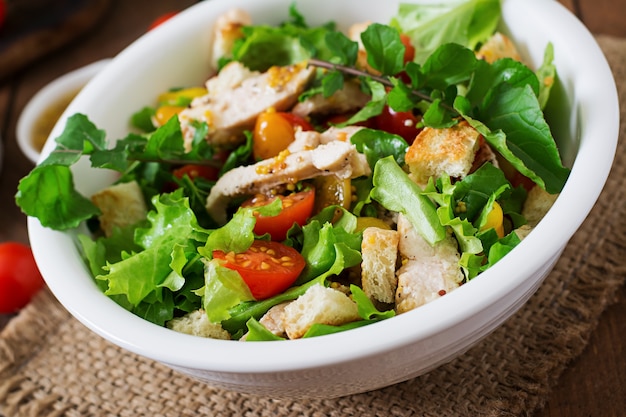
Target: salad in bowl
<point x="319" y="180"/>
<point x="367" y="190"/>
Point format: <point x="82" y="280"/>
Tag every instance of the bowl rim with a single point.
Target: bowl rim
<point x="153" y="341"/>
<point x="48" y="95"/>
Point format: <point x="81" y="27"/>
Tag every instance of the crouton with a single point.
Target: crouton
<point x="226" y="31"/>
<point x="442" y="152"/>
<point x="321" y="305"/>
<point x="427" y="272"/>
<point x="379" y="251"/>
<point x="537" y="204"/>
<point x="354" y="33"/>
<point x="497" y="47"/>
<point x="197" y="323"/>
<point x="121" y="205"/>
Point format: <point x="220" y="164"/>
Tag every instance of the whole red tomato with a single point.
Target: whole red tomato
<point x="159" y="20"/>
<point x="20" y="278"/>
<point x="3" y="12"/>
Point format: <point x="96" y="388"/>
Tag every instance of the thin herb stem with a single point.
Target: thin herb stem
<point x="383" y="80"/>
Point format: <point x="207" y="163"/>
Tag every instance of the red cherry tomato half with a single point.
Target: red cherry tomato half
<point x="268" y="268"/>
<point x="20" y="278"/>
<point x="197" y="171"/>
<point x="341" y="118"/>
<point x="296" y="121"/>
<point x="159" y="20"/>
<point x="409" y="49"/>
<point x="520" y="179"/>
<point x="297" y="208"/>
<point x="399" y="123"/>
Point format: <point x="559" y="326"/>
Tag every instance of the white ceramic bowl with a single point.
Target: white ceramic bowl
<point x="393" y="350"/>
<point x="48" y="104"/>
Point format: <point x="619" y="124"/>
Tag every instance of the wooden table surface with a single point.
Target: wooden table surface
<point x="593" y="385"/>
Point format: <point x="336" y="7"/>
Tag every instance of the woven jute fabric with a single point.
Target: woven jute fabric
<point x="51" y="365"/>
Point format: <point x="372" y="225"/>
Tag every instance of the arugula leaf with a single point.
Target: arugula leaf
<point x="448" y="64"/>
<point x="373" y="108"/>
<point x="263" y="46"/>
<point x="142" y="119"/>
<point x="528" y="143"/>
<point x="377" y="144"/>
<point x="79" y="137"/>
<point x="384" y="47"/>
<point x="344" y="50"/>
<point x="475" y="190"/>
<point x="48" y="194"/>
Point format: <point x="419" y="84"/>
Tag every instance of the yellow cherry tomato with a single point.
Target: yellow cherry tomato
<point x="495" y="220"/>
<point x="165" y="113"/>
<point x="330" y="190"/>
<point x="363" y="223"/>
<point x="272" y="134"/>
<point x="174" y="97"/>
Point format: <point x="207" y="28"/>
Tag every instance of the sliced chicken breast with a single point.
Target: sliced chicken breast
<point x="428" y="272"/>
<point x="236" y="96"/>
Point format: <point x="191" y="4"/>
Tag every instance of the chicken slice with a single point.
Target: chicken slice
<point x="334" y="158"/>
<point x="349" y="99"/>
<point x="236" y="96"/>
<point x="310" y="139"/>
<point x="428" y="272"/>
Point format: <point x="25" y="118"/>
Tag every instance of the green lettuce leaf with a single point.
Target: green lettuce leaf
<point x="171" y="225"/>
<point x="430" y="25"/>
<point x="395" y="191"/>
<point x="223" y="289"/>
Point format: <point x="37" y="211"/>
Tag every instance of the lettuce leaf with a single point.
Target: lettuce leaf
<point x="430" y="25"/>
<point x="396" y="192"/>
<point x="171" y="225"/>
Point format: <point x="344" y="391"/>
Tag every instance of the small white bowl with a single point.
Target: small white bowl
<point x="384" y="353"/>
<point x="44" y="108"/>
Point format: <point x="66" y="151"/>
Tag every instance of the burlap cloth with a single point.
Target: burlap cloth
<point x="51" y="365"/>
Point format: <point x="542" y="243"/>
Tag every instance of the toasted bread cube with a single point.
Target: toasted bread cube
<point x="443" y="152"/>
<point x="197" y="323"/>
<point x="537" y="204"/>
<point x="226" y="31"/>
<point x="379" y="251"/>
<point x="121" y="205"/>
<point x="497" y="47"/>
<point x="321" y="305"/>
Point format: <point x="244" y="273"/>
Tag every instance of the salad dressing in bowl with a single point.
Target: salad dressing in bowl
<point x="45" y="108"/>
<point x="382" y="353"/>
